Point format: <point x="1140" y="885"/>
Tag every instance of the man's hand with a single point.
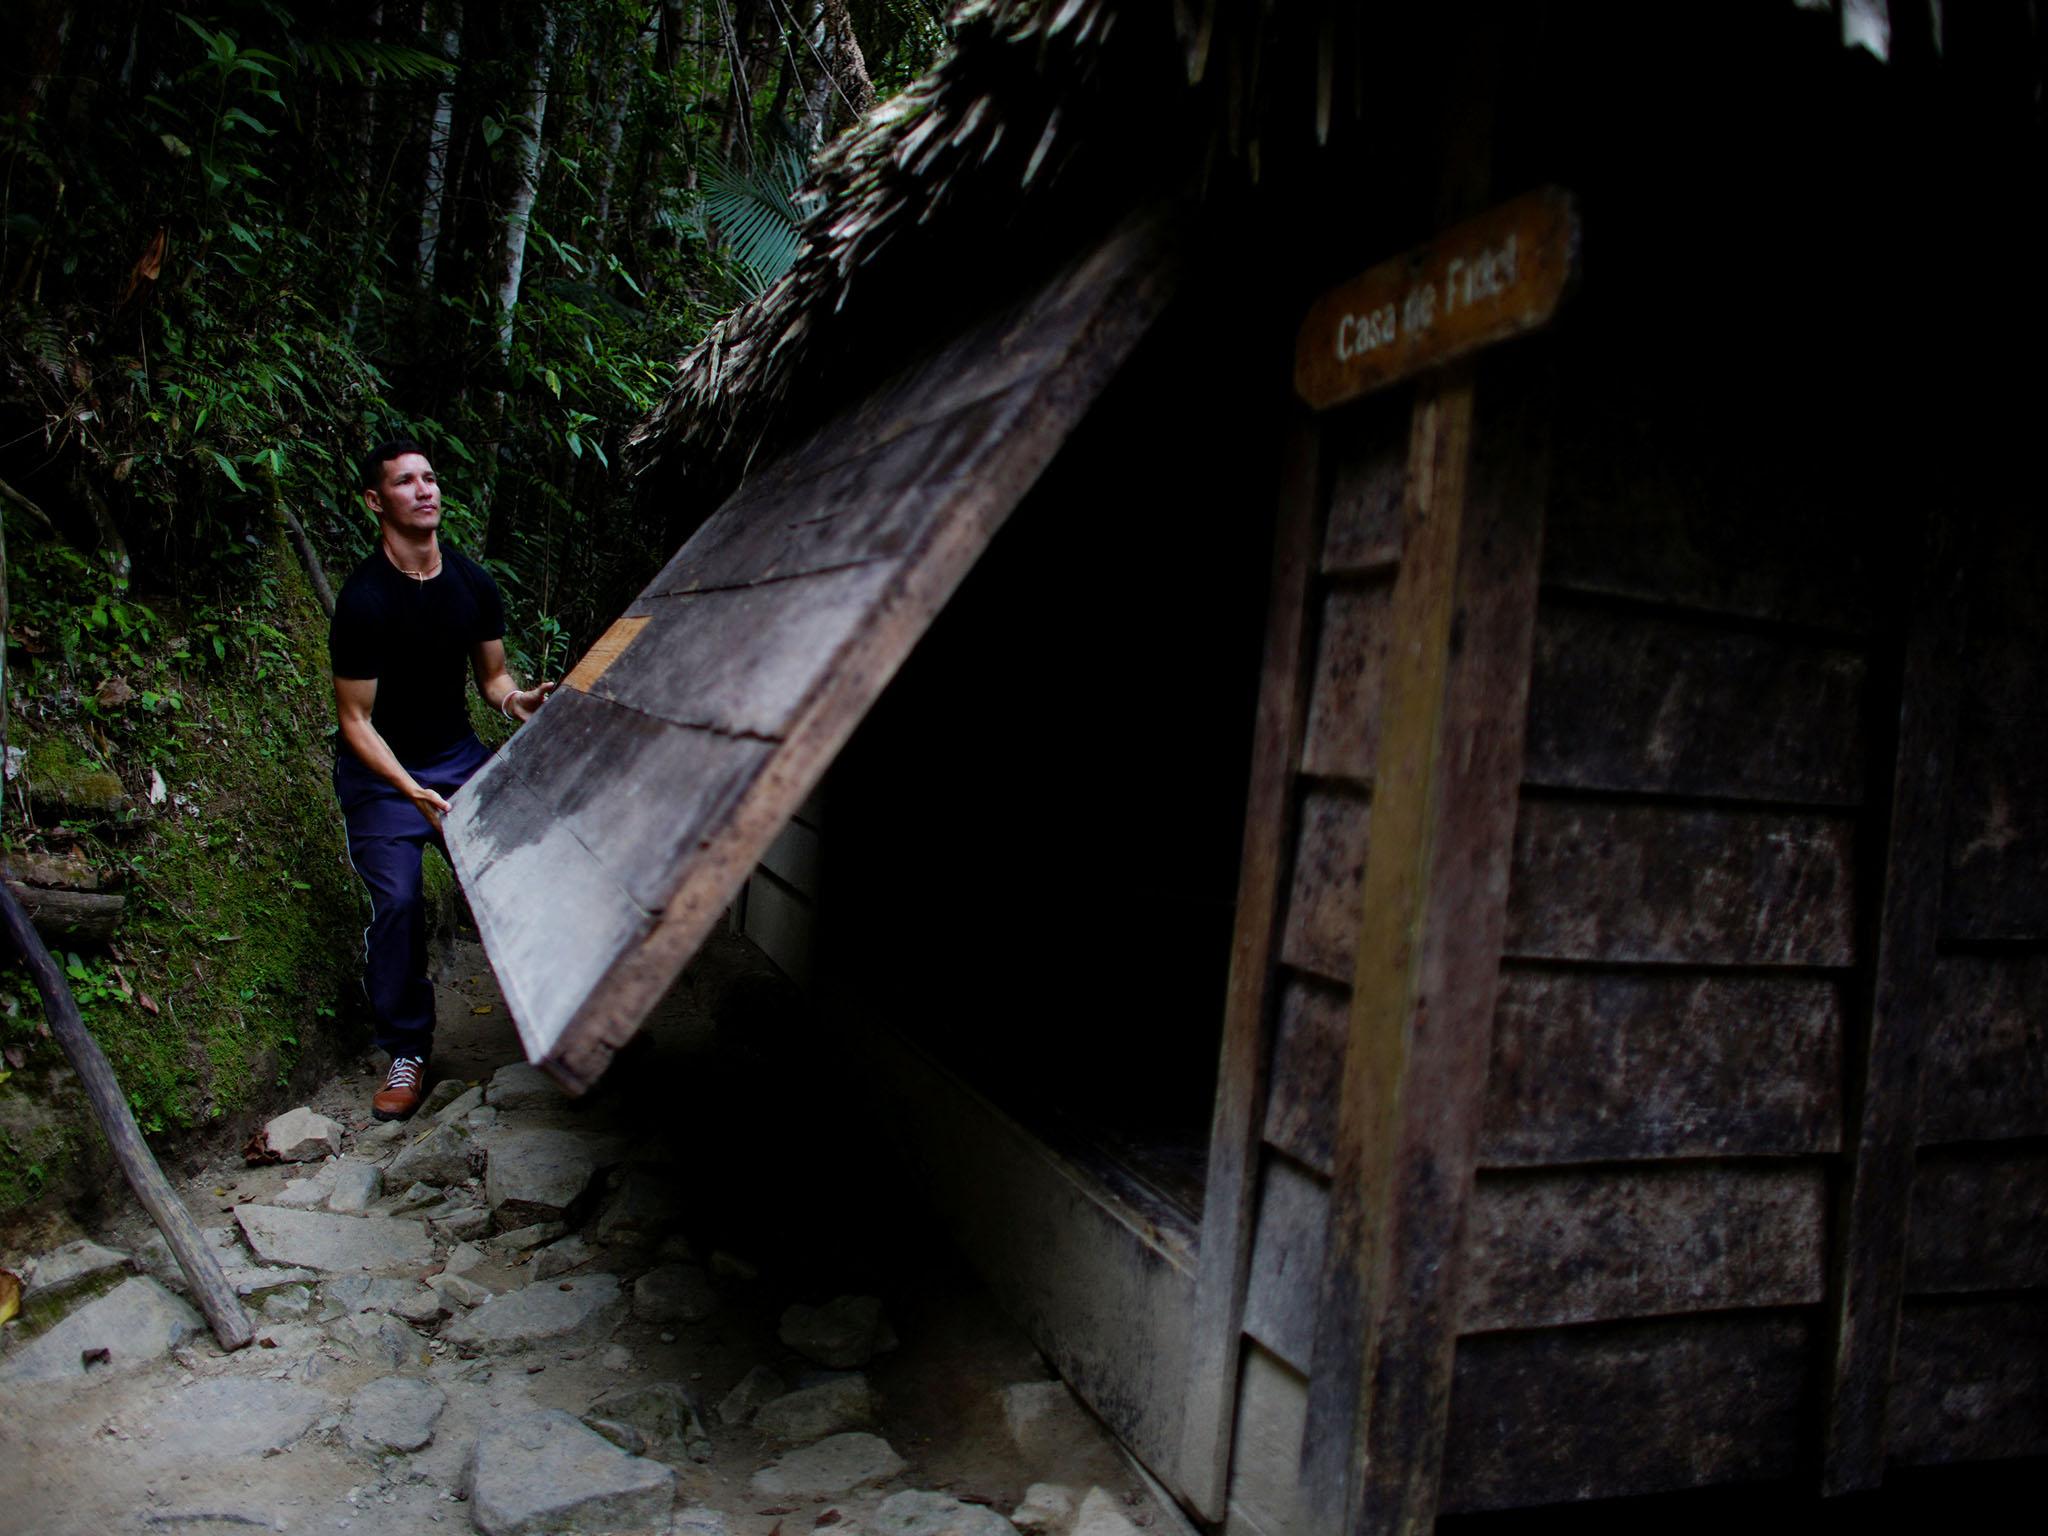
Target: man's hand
<point x="431" y="805"/>
<point x="521" y="704"/>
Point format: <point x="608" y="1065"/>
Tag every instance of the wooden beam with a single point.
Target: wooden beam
<point x="1870" y="1264"/>
<point x="1214" y="1343"/>
<point x="1446" y="791"/>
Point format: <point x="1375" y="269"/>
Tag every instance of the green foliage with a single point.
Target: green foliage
<point x="759" y="212"/>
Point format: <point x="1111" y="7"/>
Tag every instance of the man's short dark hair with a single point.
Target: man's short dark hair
<point x="372" y="475"/>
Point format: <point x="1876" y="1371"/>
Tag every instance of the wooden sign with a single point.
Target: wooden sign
<point x="1493" y="277"/>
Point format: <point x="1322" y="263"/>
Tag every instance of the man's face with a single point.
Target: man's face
<point x="409" y="497"/>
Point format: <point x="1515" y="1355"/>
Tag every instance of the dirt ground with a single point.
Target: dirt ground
<point x="773" y="1165"/>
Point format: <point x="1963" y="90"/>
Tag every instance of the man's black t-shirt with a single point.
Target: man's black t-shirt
<point x="414" y="639"/>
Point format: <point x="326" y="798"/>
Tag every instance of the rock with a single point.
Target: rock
<point x="1046" y="1420"/>
<point x="675" y="1249"/>
<point x="447" y="1091"/>
<point x="482" y="1118"/>
<point x="758" y="1386"/>
<point x="62" y="1269"/>
<point x="617" y="1359"/>
<point x="700" y="1520"/>
<point x="675" y="1293"/>
<point x="919" y="1513"/>
<point x="460" y="1224"/>
<point x="814" y="1412"/>
<point x="833" y="1465"/>
<point x="305" y="1194"/>
<point x="376" y="1338"/>
<point x="559" y="1257"/>
<point x="302" y="1136"/>
<point x="380" y="1137"/>
<point x="334" y="1244"/>
<point x="1047" y="1510"/>
<point x="361" y="1293"/>
<point x="395" y="1413"/>
<point x="570" y="1312"/>
<point x="239" y="1270"/>
<point x="288" y="1303"/>
<point x="462" y="1258"/>
<point x="544" y="1472"/>
<point x="511" y="1244"/>
<point x="1102" y="1514"/>
<point x="423" y="1307"/>
<point x="732" y="1267"/>
<point x="536" y="1176"/>
<point x="641" y="1210"/>
<point x="460" y="1289"/>
<point x="519" y="1086"/>
<point x="458" y="1106"/>
<point x="292" y="1341"/>
<point x="136" y="1322"/>
<point x="230" y="1416"/>
<point x="355" y="1186"/>
<point x="665" y="1414"/>
<point x="842" y="1334"/>
<point x="418" y="1197"/>
<point x="624" y="1436"/>
<point x="442" y="1156"/>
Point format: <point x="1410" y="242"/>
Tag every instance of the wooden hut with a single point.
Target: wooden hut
<point x="1454" y="913"/>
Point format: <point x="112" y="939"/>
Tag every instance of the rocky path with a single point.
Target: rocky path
<point x="697" y="1304"/>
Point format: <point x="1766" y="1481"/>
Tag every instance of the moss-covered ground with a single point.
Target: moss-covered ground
<point x="212" y="716"/>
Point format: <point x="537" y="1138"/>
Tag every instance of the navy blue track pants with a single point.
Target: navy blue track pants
<point x="387" y="838"/>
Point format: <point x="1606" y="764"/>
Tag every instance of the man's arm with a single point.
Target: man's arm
<point x="354" y="697"/>
<point x="494" y="682"/>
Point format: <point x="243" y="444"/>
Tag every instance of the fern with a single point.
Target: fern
<point x="345" y="60"/>
<point x="758" y="215"/>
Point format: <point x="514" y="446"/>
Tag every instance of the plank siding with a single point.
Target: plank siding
<point x="1986" y="1070"/>
<point x="1971" y="1382"/>
<point x="1656" y="884"/>
<point x="1976" y="1222"/>
<point x="1574" y="1414"/>
<point x="776" y="628"/>
<point x="1351" y="664"/>
<point x="1621" y="700"/>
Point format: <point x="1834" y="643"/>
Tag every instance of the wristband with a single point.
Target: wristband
<point x="505" y="706"/>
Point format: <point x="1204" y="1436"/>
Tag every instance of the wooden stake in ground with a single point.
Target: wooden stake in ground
<point x="216" y="1298"/>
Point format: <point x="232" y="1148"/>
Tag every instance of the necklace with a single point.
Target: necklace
<point x="420" y="576"/>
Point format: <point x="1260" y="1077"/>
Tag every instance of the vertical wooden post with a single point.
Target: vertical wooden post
<point x="1870" y="1258"/>
<point x="1445" y="794"/>
<point x="1224" y="1261"/>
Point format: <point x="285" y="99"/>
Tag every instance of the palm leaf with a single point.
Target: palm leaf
<point x="758" y="214"/>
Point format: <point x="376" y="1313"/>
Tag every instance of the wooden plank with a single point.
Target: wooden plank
<point x="1608" y="1066"/>
<point x="1266" y="1496"/>
<point x="1214" y="1345"/>
<point x="1972" y="1380"/>
<point x="1597" y="1066"/>
<point x="1884" y="1076"/>
<point x="610" y="646"/>
<point x="1592" y="1413"/>
<point x="1567" y="1247"/>
<point x="1985" y="1076"/>
<point x="1997" y="888"/>
<point x="1323" y="901"/>
<point x="1098" y="1293"/>
<point x="535" y="890"/>
<point x="1308" y="1066"/>
<point x="1547" y="1249"/>
<point x="1435" y="897"/>
<point x="794" y="857"/>
<point x="1368" y="471"/>
<point x="1498" y="275"/>
<point x="1622" y="700"/>
<point x="1287" y="1260"/>
<point x="1351" y="663"/>
<point x="1979" y="1221"/>
<point x="1658" y="884"/>
<point x="783" y="924"/>
<point x="793" y="663"/>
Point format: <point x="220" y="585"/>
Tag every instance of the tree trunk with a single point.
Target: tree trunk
<point x="526" y="184"/>
<point x="843" y="78"/>
<point x="434" y="181"/>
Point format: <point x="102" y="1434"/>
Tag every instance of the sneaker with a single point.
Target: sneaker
<point x="404" y="1086"/>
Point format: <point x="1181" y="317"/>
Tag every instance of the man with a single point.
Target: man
<point x="407" y="621"/>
